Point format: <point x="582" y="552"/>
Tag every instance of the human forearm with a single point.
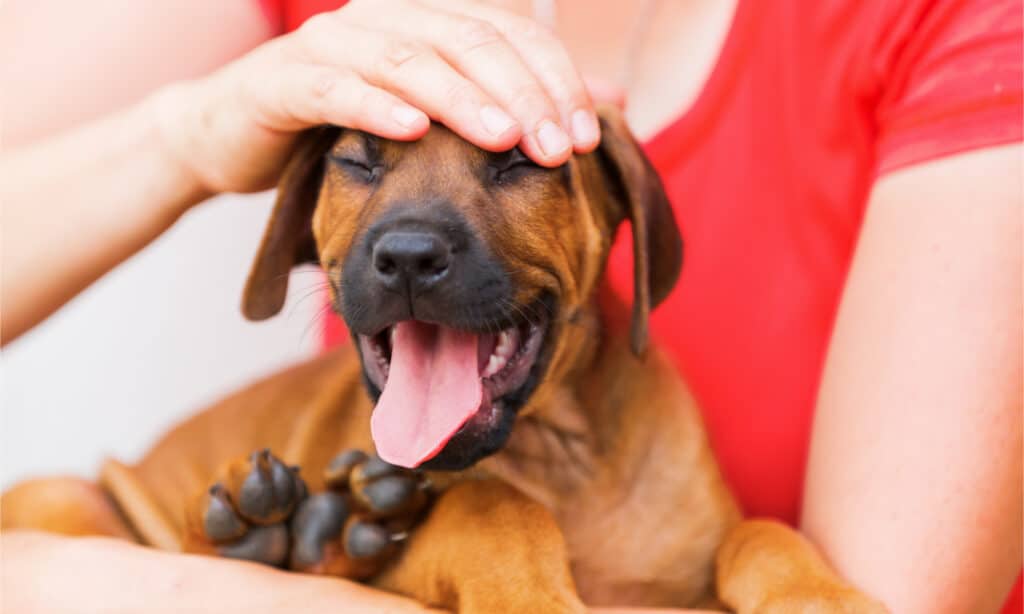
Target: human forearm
<point x="914" y="477"/>
<point x="77" y="205"/>
<point x="108" y="575"/>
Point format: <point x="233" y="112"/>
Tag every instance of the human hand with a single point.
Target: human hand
<point x="54" y="574"/>
<point x="383" y="66"/>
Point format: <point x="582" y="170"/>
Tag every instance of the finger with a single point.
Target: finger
<point x="415" y="73"/>
<point x="297" y="96"/>
<point x="603" y="91"/>
<point x="479" y="51"/>
<point x="547" y="58"/>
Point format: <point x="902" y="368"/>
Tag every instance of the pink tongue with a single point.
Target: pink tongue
<point x="433" y="387"/>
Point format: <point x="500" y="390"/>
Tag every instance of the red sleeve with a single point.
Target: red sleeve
<point x="950" y="79"/>
<point x="286" y="15"/>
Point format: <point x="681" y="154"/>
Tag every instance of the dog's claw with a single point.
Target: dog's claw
<point x="267" y="545"/>
<point x="220" y="522"/>
<point x="269" y="492"/>
<point x="301" y="492"/>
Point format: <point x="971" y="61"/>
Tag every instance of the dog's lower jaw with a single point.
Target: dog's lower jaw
<point x="474" y="442"/>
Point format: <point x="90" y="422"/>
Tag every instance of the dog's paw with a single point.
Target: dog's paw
<point x="381" y="490"/>
<point x="261" y="511"/>
<point x="355" y="527"/>
<point x="245" y="515"/>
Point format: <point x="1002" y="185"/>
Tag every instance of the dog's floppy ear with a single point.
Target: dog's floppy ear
<point x="288" y="239"/>
<point x="657" y="244"/>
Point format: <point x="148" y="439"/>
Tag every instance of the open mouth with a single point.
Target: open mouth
<point x="438" y="382"/>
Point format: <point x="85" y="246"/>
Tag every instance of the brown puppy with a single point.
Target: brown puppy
<point x="566" y="463"/>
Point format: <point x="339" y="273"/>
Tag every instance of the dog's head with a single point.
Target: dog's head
<point x="457" y="269"/>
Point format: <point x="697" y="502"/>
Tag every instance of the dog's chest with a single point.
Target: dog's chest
<point x="642" y="529"/>
<point x="635" y="549"/>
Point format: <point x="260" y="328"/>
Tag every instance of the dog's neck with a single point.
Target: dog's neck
<point x="559" y="444"/>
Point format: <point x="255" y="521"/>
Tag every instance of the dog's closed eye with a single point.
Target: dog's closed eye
<point x="509" y="166"/>
<point x="361" y="160"/>
<point x="357" y="167"/>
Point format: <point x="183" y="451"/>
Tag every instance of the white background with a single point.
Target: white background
<point x="150" y="343"/>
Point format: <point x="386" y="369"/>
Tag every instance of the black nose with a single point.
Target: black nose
<point x="411" y="259"/>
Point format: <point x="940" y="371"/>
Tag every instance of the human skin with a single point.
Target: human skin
<point x="914" y="477"/>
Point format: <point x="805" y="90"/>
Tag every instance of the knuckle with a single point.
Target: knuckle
<point x="531" y="100"/>
<point x="530" y="30"/>
<point x="316" y="25"/>
<point x="475" y="33"/>
<point x="313" y="38"/>
<point x="396" y="53"/>
<point x="321" y="83"/>
<point x="566" y="95"/>
<point x="370" y="99"/>
<point x="459" y="93"/>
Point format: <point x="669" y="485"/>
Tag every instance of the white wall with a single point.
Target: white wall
<point x="148" y="344"/>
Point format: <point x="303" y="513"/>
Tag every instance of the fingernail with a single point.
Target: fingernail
<point x="496" y="121"/>
<point x="552" y="139"/>
<point x="406" y="116"/>
<point x="585" y="130"/>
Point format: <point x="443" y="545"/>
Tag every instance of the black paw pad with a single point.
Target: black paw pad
<point x="391" y="495"/>
<point x="366" y="540"/>
<point x="374" y="468"/>
<point x="384" y="490"/>
<point x="267" y="545"/>
<point x="317" y="521"/>
<point x="270" y="490"/>
<point x="220" y="522"/>
<point x="340" y="468"/>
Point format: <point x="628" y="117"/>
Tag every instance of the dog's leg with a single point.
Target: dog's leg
<point x="69" y="506"/>
<point x="259" y="510"/>
<point x="765" y="567"/>
<point x="485" y="547"/>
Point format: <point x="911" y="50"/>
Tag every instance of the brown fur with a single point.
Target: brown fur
<point x="607" y="491"/>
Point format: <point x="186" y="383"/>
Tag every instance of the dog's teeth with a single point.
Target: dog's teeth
<point x="506" y="344"/>
<point x="504" y="349"/>
<point x="494" y="364"/>
<point x="391" y="336"/>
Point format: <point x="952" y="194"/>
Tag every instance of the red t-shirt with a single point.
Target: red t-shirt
<point x="769" y="173"/>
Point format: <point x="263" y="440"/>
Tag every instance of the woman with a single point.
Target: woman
<point x="846" y="175"/>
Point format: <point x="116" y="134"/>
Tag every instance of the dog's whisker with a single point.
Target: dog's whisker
<point x="299" y="272"/>
<point x="317" y="290"/>
<point x="316" y="319"/>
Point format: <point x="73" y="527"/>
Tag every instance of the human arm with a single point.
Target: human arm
<point x="914" y="480"/>
<point x="56" y="574"/>
<point x="49" y="573"/>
